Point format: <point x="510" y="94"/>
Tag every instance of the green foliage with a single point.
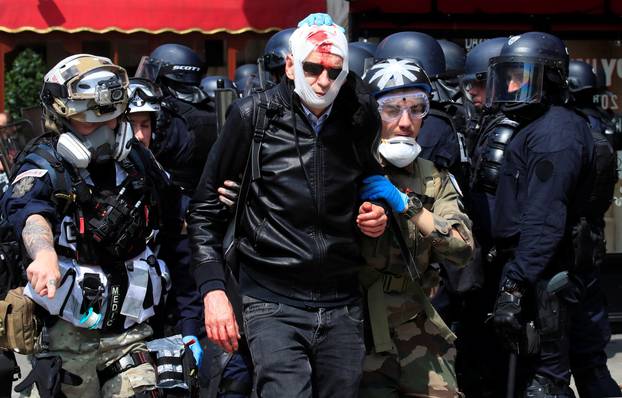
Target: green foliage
<point x="22" y="84"/>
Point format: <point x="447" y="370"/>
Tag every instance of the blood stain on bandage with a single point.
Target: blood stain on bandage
<point x="318" y="39"/>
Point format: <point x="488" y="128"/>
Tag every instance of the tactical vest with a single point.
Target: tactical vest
<point x="110" y="277"/>
<point x="488" y="165"/>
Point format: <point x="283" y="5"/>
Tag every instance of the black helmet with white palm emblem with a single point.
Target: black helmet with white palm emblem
<point x="396" y="74"/>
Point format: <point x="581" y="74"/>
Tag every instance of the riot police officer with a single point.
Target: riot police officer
<point x="591" y="331"/>
<point x="275" y="52"/>
<point x="473" y="83"/>
<point x="87" y="203"/>
<point x="187" y="122"/>
<point x="544" y="184"/>
<point x="209" y="84"/>
<point x="247" y="79"/>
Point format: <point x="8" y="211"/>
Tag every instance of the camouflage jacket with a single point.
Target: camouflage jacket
<point x="403" y="298"/>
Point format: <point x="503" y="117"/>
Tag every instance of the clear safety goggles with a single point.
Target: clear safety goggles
<point x="514" y="82"/>
<point x="392" y="107"/>
<point x="145" y="90"/>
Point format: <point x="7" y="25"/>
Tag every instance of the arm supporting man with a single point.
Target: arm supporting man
<point x="43" y="272"/>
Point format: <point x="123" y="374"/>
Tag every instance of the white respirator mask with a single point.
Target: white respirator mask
<point x="305" y="40"/>
<point x="101" y="145"/>
<point x="399" y="151"/>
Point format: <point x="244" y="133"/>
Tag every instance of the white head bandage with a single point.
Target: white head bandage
<point x="325" y="39"/>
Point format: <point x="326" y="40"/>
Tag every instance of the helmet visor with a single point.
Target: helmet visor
<point x="514" y="82"/>
<point x="148" y="68"/>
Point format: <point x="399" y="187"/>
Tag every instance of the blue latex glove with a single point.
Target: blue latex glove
<point x="379" y="187"/>
<point x="319" y="19"/>
<point x="192" y="342"/>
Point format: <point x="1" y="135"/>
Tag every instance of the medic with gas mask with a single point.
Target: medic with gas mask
<point x="413" y="350"/>
<point x="87" y="202"/>
<point x="300" y="150"/>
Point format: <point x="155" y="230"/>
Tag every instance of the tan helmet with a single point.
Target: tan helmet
<point x="84" y="87"/>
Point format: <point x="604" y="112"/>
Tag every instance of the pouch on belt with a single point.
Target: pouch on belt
<point x="19" y="327"/>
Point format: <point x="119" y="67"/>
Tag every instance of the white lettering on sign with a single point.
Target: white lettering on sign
<point x="470" y="43"/>
<point x="609" y="66"/>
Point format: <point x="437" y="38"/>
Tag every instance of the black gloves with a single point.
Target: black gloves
<point x="47" y="374"/>
<point x="506" y="315"/>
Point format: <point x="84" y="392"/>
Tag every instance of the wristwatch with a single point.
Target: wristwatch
<point x="413" y="206"/>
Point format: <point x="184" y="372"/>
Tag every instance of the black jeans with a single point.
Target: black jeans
<point x="305" y="352"/>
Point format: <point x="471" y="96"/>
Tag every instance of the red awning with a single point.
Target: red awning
<point x="154" y="16"/>
<point x="554" y="7"/>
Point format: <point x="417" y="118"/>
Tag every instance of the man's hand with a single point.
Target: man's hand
<point x="220" y="323"/>
<point x="44" y="274"/>
<point x="371" y="220"/>
<point x="228" y="194"/>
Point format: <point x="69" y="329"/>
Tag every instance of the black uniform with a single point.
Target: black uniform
<point x="543" y="185"/>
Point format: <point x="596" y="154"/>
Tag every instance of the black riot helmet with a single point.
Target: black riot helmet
<point x="209" y="84"/>
<point x="454" y="57"/>
<point x="245" y="70"/>
<point x="581" y="77"/>
<point x="357" y="56"/>
<point x="366" y="45"/>
<point x="277" y="49"/>
<point x="420" y="47"/>
<point x="476" y="63"/>
<point x="532" y="68"/>
<point x="177" y="63"/>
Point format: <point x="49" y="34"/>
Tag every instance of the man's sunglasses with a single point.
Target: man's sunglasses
<point x="314" y="69"/>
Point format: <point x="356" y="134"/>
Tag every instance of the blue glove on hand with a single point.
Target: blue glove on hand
<point x="192" y="342"/>
<point x="318" y="19"/>
<point x="379" y="187"/>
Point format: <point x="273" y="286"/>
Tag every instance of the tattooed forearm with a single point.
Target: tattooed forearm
<point x="37" y="235"/>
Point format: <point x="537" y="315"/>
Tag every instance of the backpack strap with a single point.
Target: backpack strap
<point x="260" y="124"/>
<point x="252" y="169"/>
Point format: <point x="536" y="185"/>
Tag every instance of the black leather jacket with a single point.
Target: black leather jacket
<point x="290" y="250"/>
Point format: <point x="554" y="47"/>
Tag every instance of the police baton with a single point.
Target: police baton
<point x="511" y="374"/>
<point x="224" y="97"/>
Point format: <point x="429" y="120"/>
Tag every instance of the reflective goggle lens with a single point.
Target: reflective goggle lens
<point x="391" y="108"/>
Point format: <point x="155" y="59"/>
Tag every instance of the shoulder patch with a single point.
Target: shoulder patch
<point x="37" y="173"/>
<point x="455" y="184"/>
<point x="24" y="185"/>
